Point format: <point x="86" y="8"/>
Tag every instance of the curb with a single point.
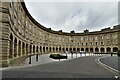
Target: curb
<point x="115" y="71"/>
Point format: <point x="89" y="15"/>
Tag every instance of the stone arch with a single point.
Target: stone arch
<point x="91" y="50"/>
<point x="11" y="46"/>
<point x="108" y="49"/>
<point x="15" y="47"/>
<point x="96" y="50"/>
<point x="43" y="49"/>
<point x="46" y="49"/>
<point x="34" y="49"/>
<point x="86" y="49"/>
<point x="23" y="48"/>
<point x="63" y="49"/>
<point x="102" y="50"/>
<point x="19" y="48"/>
<point x="53" y="49"/>
<point x="40" y="49"/>
<point x="66" y="49"/>
<point x="60" y="49"/>
<point x="115" y="49"/>
<point x="37" y="49"/>
<point x="30" y="48"/>
<point x="74" y="49"/>
<point x="82" y="49"/>
<point x="27" y="49"/>
<point x="50" y="49"/>
<point x="70" y="49"/>
<point x="56" y="49"/>
<point x="78" y="49"/>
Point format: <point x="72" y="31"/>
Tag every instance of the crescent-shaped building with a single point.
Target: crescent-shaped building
<point x="21" y="36"/>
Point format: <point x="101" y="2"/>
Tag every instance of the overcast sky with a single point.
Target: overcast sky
<point x="76" y="16"/>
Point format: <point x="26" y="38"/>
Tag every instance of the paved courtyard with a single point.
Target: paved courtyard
<point x="82" y="67"/>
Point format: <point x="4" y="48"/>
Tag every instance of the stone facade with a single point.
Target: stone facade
<point x="21" y="35"/>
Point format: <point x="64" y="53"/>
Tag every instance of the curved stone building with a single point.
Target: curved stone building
<point x="21" y="35"/>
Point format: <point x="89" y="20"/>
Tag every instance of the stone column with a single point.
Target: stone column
<point x="38" y="49"/>
<point x="105" y="50"/>
<point x="94" y="50"/>
<point x="21" y="49"/>
<point x="54" y="49"/>
<point x="25" y="50"/>
<point x="41" y="49"/>
<point x="111" y="49"/>
<point x="99" y="50"/>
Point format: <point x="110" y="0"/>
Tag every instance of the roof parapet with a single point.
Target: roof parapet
<point x="116" y="27"/>
<point x="105" y="29"/>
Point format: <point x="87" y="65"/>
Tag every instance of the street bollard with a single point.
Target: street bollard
<point x="30" y="60"/>
<point x="66" y="55"/>
<point x="36" y="57"/>
<point x="111" y="54"/>
<point x="71" y="55"/>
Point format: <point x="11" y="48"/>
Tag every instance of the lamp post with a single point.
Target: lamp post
<point x="36" y="53"/>
<point x="36" y="57"/>
<point x="29" y="59"/>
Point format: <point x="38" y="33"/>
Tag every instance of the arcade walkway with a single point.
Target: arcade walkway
<point x="84" y="67"/>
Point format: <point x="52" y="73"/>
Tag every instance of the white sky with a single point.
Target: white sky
<point x="70" y="15"/>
